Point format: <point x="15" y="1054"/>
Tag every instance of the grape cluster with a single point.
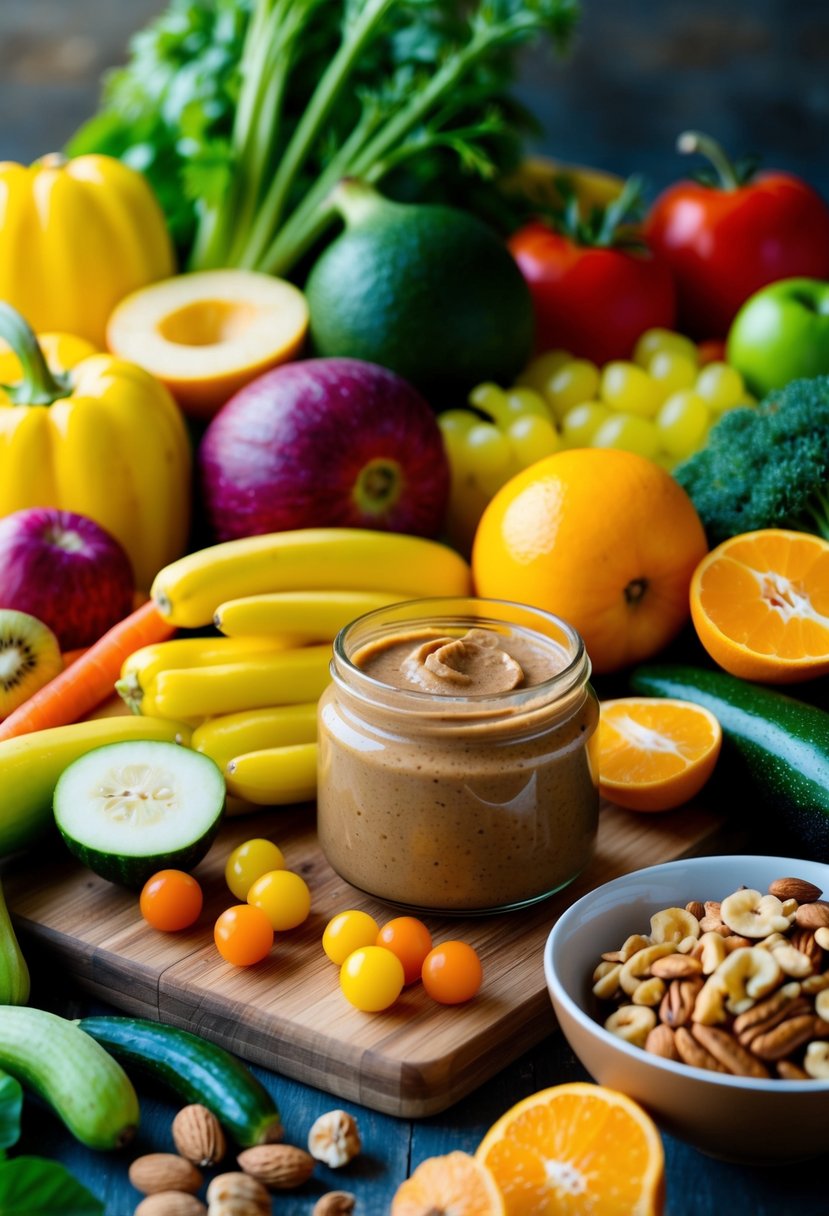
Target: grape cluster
<point x="661" y="404"/>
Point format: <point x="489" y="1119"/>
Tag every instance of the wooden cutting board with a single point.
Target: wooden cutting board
<point x="287" y="1013"/>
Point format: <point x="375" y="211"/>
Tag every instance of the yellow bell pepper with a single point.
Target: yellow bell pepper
<point x="76" y="236"/>
<point x="96" y="435"/>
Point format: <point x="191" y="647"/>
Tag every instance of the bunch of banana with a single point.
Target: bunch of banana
<point x="278" y="601"/>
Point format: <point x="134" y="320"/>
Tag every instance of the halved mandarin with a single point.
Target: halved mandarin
<point x="655" y="754"/>
<point x="760" y="605"/>
<point x="577" y="1149"/>
<point x="454" y="1185"/>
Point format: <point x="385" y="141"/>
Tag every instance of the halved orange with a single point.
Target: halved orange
<point x="576" y="1149"/>
<point x="655" y="754"/>
<point x="760" y="605"/>
<point x="454" y="1185"/>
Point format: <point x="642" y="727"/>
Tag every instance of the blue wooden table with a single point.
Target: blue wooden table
<point x="696" y="1185"/>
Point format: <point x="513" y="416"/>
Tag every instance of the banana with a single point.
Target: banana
<point x="288" y="677"/>
<point x="143" y="665"/>
<point x="230" y="735"/>
<point x="188" y="591"/>
<point x="313" y="615"/>
<point x="274" y="776"/>
<point x="31" y="765"/>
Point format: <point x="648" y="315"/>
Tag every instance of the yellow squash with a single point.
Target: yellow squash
<point x="76" y="236"/>
<point x="95" y="435"/>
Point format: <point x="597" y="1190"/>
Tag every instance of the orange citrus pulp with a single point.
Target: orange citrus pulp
<point x="655" y="754"/>
<point x="576" y="1149"/>
<point x="454" y="1185"/>
<point x="760" y="605"/>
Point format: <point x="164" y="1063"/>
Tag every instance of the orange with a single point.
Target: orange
<point x="655" y="754"/>
<point x="760" y="605"/>
<point x="605" y="539"/>
<point x="576" y="1149"/>
<point x="454" y="1185"/>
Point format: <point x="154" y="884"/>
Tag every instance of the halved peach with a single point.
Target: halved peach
<point x="207" y="334"/>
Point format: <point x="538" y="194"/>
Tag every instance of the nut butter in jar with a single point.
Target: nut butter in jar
<point x="455" y="772"/>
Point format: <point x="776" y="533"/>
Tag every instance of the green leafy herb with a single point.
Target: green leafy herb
<point x="244" y="114"/>
<point x="11" y="1104"/>
<point x="33" y="1186"/>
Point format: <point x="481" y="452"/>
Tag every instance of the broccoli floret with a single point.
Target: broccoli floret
<point x="765" y="466"/>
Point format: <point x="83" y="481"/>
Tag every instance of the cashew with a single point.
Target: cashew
<point x="606" y="985"/>
<point x="816" y="1059"/>
<point x="686" y="945"/>
<point x="742" y="977"/>
<point x="649" y="992"/>
<point x="709" y="1007"/>
<point x="789" y="908"/>
<point x="822" y="1004"/>
<point x="673" y="924"/>
<point x="712" y="951"/>
<point x="753" y="915"/>
<point x="794" y="962"/>
<point x="772" y="941"/>
<point x="631" y="945"/>
<point x="633" y="1023"/>
<point x="638" y="965"/>
<point x="604" y="968"/>
<point x="822" y="937"/>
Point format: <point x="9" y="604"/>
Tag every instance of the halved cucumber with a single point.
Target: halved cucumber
<point x="129" y="809"/>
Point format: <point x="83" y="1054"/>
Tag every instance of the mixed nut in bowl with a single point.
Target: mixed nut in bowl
<point x="699" y="988"/>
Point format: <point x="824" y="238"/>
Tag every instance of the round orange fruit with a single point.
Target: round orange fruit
<point x="760" y="605"/>
<point x="454" y="1185"/>
<point x="604" y="538"/>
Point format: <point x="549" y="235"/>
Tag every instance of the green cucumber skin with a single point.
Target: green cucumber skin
<point x="196" y="1070"/>
<point x="781" y="744"/>
<point x="133" y="872"/>
<point x="76" y="1076"/>
<point x="14" y="973"/>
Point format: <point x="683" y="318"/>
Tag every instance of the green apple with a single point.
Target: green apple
<point x="781" y="333"/>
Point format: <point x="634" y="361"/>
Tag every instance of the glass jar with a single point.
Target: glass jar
<point x="462" y="803"/>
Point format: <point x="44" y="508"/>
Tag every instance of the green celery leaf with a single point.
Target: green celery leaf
<point x="33" y="1186"/>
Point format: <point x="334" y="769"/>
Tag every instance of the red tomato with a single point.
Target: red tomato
<point x="725" y="241"/>
<point x="593" y="302"/>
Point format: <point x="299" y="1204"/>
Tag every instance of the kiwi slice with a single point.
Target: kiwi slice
<point x="29" y="658"/>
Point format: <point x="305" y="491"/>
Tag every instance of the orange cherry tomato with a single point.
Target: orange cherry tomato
<point x="410" y="940"/>
<point x="243" y="935"/>
<point x="171" y="900"/>
<point x="452" y="973"/>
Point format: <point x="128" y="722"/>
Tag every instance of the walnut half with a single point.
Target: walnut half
<point x="334" y="1138"/>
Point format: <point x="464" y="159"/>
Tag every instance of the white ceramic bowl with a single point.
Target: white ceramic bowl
<point x="738" y="1118"/>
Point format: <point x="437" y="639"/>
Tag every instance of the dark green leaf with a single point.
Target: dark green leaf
<point x="33" y="1186"/>
<point x="11" y="1103"/>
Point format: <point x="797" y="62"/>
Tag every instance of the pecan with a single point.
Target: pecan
<point x="769" y="1012"/>
<point x="813" y="915"/>
<point x="712" y="908"/>
<point x="725" y="1048"/>
<point x="676" y="967"/>
<point x="736" y="941"/>
<point x="784" y="1038"/>
<point x="815" y="983"/>
<point x="693" y="1053"/>
<point x="713" y="924"/>
<point x="804" y="940"/>
<point x="795" y="888"/>
<point x="787" y="1070"/>
<point x="678" y="1002"/>
<point x="660" y="1042"/>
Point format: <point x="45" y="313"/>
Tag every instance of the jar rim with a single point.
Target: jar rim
<point x="444" y="612"/>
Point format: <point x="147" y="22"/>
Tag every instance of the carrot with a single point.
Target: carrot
<point x="91" y="678"/>
<point x="71" y="656"/>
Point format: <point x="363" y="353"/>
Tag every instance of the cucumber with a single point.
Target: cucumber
<point x="127" y="810"/>
<point x="778" y="746"/>
<point x="77" y="1077"/>
<point x="14" y="974"/>
<point x="194" y="1069"/>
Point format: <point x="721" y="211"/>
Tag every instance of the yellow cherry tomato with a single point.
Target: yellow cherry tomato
<point x="284" y="898"/>
<point x="372" y="978"/>
<point x="347" y="932"/>
<point x="249" y="861"/>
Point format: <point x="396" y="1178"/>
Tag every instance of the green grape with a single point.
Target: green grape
<point x="486" y="396"/>
<point x="654" y="340"/>
<point x="455" y="425"/>
<point x="532" y="438"/>
<point x="630" y="432"/>
<point x="671" y="371"/>
<point x="624" y="386"/>
<point x="683" y="423"/>
<point x="490" y="450"/>
<point x="720" y="385"/>
<point x="572" y="384"/>
<point x="516" y="403"/>
<point x="542" y="368"/>
<point x="581" y="423"/>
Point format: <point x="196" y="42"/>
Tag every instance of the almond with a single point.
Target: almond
<point x="813" y="915"/>
<point x="795" y="888"/>
<point x="164" y="1172"/>
<point x="170" y="1203"/>
<point x="198" y="1136"/>
<point x="277" y="1166"/>
<point x="676" y="967"/>
<point x="335" y="1203"/>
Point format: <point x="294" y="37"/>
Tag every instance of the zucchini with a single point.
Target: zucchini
<point x="778" y="746"/>
<point x="127" y="810"/>
<point x="76" y="1076"/>
<point x="194" y="1069"/>
<point x="14" y="974"/>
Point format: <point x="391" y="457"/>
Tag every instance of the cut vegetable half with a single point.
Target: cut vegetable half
<point x="127" y="810"/>
<point x="760" y="605"/>
<point x="655" y="754"/>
